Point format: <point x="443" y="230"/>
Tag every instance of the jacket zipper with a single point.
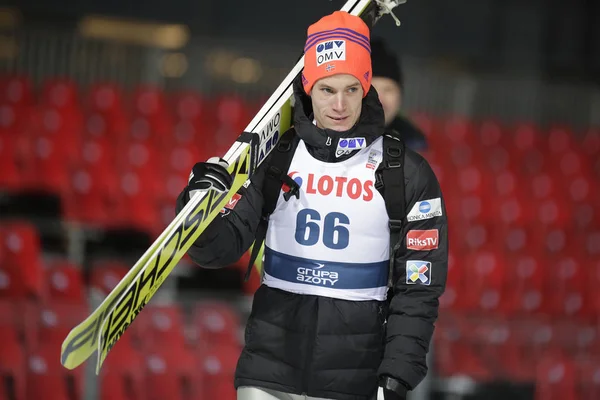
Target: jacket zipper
<point x="309" y="350"/>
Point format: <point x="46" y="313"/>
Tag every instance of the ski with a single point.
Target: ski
<point x="105" y="325"/>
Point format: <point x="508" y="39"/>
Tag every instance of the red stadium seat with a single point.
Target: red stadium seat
<point x="485" y="279"/>
<point x="497" y="160"/>
<point x="559" y="140"/>
<point x="524" y="137"/>
<point x="12" y="361"/>
<point x="51" y="166"/>
<point x="51" y="322"/>
<point x="150" y="120"/>
<point x="218" y="365"/>
<point x="122" y="375"/>
<point x="216" y="323"/>
<point x="591" y="143"/>
<point x="556" y="379"/>
<point x="137" y="202"/>
<point x="588" y="371"/>
<point x="105" y="98"/>
<point x="593" y="279"/>
<point x="21" y="271"/>
<point x="14" y="120"/>
<point x="65" y="282"/>
<point x="172" y="373"/>
<point x="161" y="326"/>
<point x="525" y="292"/>
<point x="191" y="107"/>
<point x="571" y="164"/>
<point x="105" y="275"/>
<point x="565" y="287"/>
<point x="582" y="189"/>
<point x="490" y="134"/>
<point x="10" y="179"/>
<point x="16" y="90"/>
<point x="457" y="354"/>
<point x="471" y="181"/>
<point x="59" y="92"/>
<point x="114" y="127"/>
<point x="48" y="379"/>
<point x="94" y="192"/>
<point x="98" y="151"/>
<point x="231" y="111"/>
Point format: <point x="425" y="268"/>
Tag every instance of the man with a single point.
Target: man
<point x="388" y="80"/>
<point x="321" y="326"/>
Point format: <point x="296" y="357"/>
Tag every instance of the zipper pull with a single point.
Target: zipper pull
<point x="328" y="142"/>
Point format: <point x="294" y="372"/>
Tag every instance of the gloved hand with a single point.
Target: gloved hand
<point x="211" y="174"/>
<point x="391" y="389"/>
<point x="384" y="394"/>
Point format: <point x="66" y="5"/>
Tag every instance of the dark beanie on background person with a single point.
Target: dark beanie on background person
<point x="385" y="63"/>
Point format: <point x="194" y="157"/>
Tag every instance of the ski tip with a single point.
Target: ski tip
<point x="73" y="351"/>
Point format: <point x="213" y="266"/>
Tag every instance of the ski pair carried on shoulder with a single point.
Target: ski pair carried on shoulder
<point x="103" y="328"/>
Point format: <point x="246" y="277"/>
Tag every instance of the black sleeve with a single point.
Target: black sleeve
<point x="232" y="232"/>
<point x="414" y="304"/>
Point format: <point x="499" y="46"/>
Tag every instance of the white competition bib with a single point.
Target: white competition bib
<point x="334" y="240"/>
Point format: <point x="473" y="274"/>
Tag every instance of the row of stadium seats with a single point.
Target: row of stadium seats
<point x="514" y="271"/>
<point x="524" y="222"/>
<point x="156" y="374"/>
<point x="135" y="183"/>
<point x="164" y="354"/>
<point x="561" y="356"/>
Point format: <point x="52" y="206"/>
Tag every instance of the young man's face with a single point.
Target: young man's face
<point x="337" y="102"/>
<point x="389" y="96"/>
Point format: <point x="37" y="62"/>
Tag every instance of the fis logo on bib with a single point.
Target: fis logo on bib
<point x="418" y="272"/>
<point x="347" y="146"/>
<point x="422" y="240"/>
<point x="374" y="159"/>
<point x="332" y="50"/>
<point x="425" y="209"/>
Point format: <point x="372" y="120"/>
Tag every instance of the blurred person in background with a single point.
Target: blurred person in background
<point x="321" y="326"/>
<point x="388" y="80"/>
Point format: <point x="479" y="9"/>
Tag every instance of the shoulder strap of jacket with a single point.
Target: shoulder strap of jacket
<point x="391" y="184"/>
<point x="276" y="179"/>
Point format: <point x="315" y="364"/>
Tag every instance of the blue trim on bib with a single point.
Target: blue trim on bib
<point x="328" y="274"/>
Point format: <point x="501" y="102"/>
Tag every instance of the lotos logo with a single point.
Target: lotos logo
<point x="422" y="240"/>
<point x="339" y="186"/>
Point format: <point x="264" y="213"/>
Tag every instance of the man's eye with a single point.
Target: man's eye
<point x="353" y="89"/>
<point x="327" y="90"/>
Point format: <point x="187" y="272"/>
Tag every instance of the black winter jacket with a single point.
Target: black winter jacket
<point x="326" y="347"/>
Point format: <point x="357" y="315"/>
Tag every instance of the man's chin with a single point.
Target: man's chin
<point x="339" y="128"/>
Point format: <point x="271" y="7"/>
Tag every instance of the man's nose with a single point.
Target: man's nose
<point x="339" y="102"/>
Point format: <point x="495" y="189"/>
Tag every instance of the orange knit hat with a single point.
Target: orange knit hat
<point x="338" y="43"/>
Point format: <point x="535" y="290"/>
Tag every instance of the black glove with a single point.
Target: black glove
<point x="211" y="174"/>
<point x="393" y="389"/>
